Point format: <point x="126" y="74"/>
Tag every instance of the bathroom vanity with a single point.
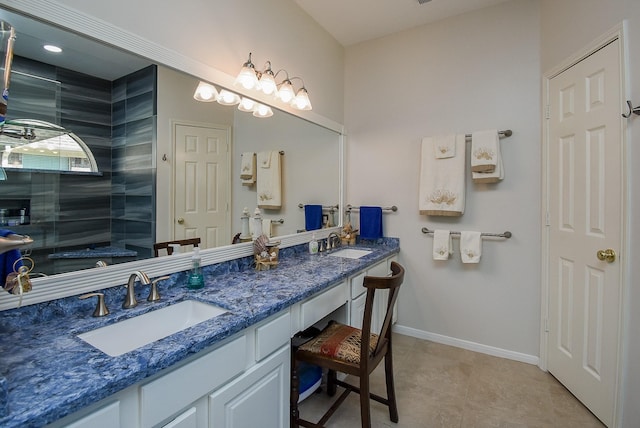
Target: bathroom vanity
<point x="231" y="370"/>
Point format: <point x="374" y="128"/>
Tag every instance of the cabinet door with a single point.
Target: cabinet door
<point x="357" y="311"/>
<point x="258" y="398"/>
<point x="186" y="419"/>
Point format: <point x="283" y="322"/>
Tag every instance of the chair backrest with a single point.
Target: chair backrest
<point x="373" y="283"/>
<point x="167" y="245"/>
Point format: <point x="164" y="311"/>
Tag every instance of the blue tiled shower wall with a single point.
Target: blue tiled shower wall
<point x="117" y="120"/>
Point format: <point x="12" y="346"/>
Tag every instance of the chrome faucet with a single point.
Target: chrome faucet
<point x="130" y="300"/>
<point x="333" y="241"/>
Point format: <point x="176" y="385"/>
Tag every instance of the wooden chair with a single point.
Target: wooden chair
<point x="340" y="348"/>
<point x="167" y="245"/>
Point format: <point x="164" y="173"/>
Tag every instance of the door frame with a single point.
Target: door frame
<point x="174" y="124"/>
<point x="617" y="32"/>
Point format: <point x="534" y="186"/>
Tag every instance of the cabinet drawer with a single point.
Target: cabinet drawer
<point x="322" y="305"/>
<point x="272" y="335"/>
<point x="356" y="285"/>
<point x="106" y="417"/>
<point x="166" y="395"/>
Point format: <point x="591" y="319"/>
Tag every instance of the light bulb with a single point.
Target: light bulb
<point x="247" y="104"/>
<point x="301" y="100"/>
<point x="228" y="98"/>
<point x="285" y="93"/>
<point x="247" y="78"/>
<point x="268" y="83"/>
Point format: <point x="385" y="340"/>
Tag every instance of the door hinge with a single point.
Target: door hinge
<point x="546" y="325"/>
<point x="547" y="219"/>
<point x="547" y="112"/>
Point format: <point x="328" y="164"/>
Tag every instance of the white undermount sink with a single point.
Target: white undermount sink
<point x="132" y="333"/>
<point x="350" y="253"/>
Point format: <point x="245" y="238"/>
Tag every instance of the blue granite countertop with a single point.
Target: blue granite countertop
<point x="94" y="252"/>
<point x="46" y="372"/>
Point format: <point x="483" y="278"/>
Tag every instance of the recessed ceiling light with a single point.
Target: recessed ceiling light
<point x="52" y="48"/>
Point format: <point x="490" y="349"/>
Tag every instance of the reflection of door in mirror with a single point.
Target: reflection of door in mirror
<point x="202" y="184"/>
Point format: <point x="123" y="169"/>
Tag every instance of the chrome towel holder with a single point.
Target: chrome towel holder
<point x="505" y="235"/>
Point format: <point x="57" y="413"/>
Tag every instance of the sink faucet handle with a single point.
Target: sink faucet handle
<point x="101" y="308"/>
<point x="153" y="292"/>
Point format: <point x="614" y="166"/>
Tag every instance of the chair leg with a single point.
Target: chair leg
<point x="331" y="383"/>
<point x="365" y="402"/>
<point x="391" y="391"/>
<point x="294" y="395"/>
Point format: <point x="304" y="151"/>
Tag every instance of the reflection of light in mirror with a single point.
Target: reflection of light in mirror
<point x="263" y="111"/>
<point x="52" y="48"/>
<point x="205" y="92"/>
<point x="227" y="98"/>
<point x="247" y="105"/>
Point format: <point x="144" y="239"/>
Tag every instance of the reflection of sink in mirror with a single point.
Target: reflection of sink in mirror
<point x="350" y="253"/>
<point x="124" y="336"/>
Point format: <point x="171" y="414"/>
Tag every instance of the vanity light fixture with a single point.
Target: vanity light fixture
<point x="265" y="81"/>
<point x="205" y="92"/>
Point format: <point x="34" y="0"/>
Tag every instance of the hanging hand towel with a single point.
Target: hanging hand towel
<point x="445" y="146"/>
<point x="484" y="150"/>
<point x="8" y="259"/>
<point x="312" y="217"/>
<point x="470" y="247"/>
<point x="442" y="245"/>
<point x="370" y="222"/>
<point x="491" y="177"/>
<point x="248" y="168"/>
<point x="442" y="180"/>
<point x="269" y="180"/>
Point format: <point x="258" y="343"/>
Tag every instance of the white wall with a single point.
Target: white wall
<point x="567" y="28"/>
<point x="221" y="34"/>
<point x="476" y="71"/>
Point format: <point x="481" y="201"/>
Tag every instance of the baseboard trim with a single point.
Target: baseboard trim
<point x="465" y="344"/>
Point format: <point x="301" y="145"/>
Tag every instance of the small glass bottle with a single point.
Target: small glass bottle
<point x="196" y="279"/>
<point x="313" y="245"/>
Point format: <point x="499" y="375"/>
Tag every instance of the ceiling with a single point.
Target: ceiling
<point x="355" y="21"/>
<point x="79" y="53"/>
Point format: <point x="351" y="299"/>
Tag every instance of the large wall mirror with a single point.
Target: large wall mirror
<point x="131" y="111"/>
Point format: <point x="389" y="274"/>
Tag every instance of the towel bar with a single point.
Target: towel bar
<point x="324" y="207"/>
<point x="506" y="234"/>
<point x="501" y="134"/>
<point x="392" y="208"/>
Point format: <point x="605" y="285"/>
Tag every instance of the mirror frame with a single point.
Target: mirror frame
<point x="75" y="283"/>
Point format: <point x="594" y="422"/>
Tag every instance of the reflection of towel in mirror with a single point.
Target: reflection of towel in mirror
<point x="269" y="180"/>
<point x="370" y="222"/>
<point x="442" y="180"/>
<point x="470" y="247"/>
<point x="491" y="177"/>
<point x="484" y="150"/>
<point x="8" y="259"/>
<point x="248" y="168"/>
<point x="312" y="217"/>
<point x="442" y="245"/>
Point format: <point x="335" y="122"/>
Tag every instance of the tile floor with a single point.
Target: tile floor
<point x="440" y="386"/>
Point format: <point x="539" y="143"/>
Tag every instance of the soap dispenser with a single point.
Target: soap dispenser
<point x="196" y="280"/>
<point x="313" y="245"/>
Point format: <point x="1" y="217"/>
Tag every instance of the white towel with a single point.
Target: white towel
<point x="470" y="247"/>
<point x="442" y="180"/>
<point x="248" y="168"/>
<point x="442" y="245"/>
<point x="444" y="146"/>
<point x="490" y="177"/>
<point x="484" y="150"/>
<point x="266" y="227"/>
<point x="269" y="180"/>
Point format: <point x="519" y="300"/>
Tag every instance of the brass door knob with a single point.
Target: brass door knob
<point x="607" y="255"/>
<point x="180" y="220"/>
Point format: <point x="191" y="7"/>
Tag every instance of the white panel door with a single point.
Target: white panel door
<point x="202" y="185"/>
<point x="585" y="212"/>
